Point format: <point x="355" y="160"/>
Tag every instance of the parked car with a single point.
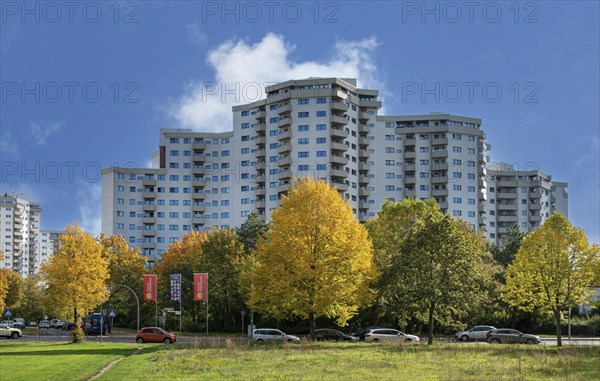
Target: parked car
<point x="6" y="322"/>
<point x="326" y="334"/>
<point x="69" y="326"/>
<point x="18" y="323"/>
<point x="53" y="323"/>
<point x="361" y="333"/>
<point x="269" y="334"/>
<point x="511" y="336"/>
<point x="32" y="324"/>
<point x="10" y="332"/>
<point x="60" y="323"/>
<point x="476" y="333"/>
<point x="390" y="335"/>
<point x="155" y="335"/>
<point x="44" y="324"/>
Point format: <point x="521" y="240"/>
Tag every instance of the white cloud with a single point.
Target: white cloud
<point x="41" y="131"/>
<point x="8" y="145"/>
<point x="89" y="198"/>
<point x="194" y="34"/>
<point x="244" y="69"/>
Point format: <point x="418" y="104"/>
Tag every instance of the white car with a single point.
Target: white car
<point x="476" y="333"/>
<point x="11" y="333"/>
<point x="44" y="324"/>
<point x="273" y="335"/>
<point x="389" y="335"/>
<point x="60" y="324"/>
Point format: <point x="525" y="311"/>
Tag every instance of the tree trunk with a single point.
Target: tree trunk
<point x="557" y="321"/>
<point x="311" y="323"/>
<point x="430" y="334"/>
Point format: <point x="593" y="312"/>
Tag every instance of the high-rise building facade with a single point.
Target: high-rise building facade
<point x="24" y="245"/>
<point x="321" y="127"/>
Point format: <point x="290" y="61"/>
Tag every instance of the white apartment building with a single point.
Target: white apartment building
<point x="521" y="197"/>
<point x="24" y="245"/>
<point x="323" y="127"/>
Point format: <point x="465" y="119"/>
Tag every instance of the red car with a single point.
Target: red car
<point x="155" y="335"/>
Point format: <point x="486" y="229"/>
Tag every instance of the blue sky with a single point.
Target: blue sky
<point x="89" y="87"/>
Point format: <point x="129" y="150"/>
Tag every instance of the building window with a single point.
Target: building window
<point x="303" y="114"/>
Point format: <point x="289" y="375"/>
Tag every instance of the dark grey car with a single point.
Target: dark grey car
<point x="511" y="336"/>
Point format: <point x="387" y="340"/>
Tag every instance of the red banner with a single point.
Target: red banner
<point x="149" y="288"/>
<point x="200" y="286"/>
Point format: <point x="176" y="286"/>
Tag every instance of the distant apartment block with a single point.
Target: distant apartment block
<point x="24" y="245"/>
<point x="521" y="197"/>
<point x="321" y="127"/>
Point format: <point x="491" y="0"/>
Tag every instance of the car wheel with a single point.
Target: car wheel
<point x="408" y="341"/>
<point x="495" y="341"/>
<point x="290" y="341"/>
<point x="530" y="341"/>
<point x="14" y="335"/>
<point x="167" y="341"/>
<point x="376" y="341"/>
<point x="464" y="338"/>
<point x="139" y="340"/>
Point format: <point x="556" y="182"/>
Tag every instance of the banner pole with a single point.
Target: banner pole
<point x="180" y="301"/>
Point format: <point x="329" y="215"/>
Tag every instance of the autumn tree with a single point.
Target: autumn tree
<point x="554" y="268"/>
<point x="125" y="266"/>
<point x="4" y="277"/>
<point x="76" y="275"/>
<point x="314" y="261"/>
<point x="32" y="304"/>
<point x="432" y="266"/>
<point x="218" y="253"/>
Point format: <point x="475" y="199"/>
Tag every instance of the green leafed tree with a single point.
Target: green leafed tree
<point x="251" y="231"/>
<point x="553" y="269"/>
<point x="433" y="268"/>
<point x="316" y="259"/>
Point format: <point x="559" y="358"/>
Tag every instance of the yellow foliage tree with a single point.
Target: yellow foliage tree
<point x="554" y="268"/>
<point x="316" y="260"/>
<point x="76" y="275"/>
<point x="4" y="281"/>
<point x="125" y="265"/>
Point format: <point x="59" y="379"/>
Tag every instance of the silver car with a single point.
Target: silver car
<point x="273" y="335"/>
<point x="476" y="333"/>
<point x="389" y="335"/>
<point x="511" y="336"/>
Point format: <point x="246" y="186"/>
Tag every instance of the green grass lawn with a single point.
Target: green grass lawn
<point x="45" y="361"/>
<point x="57" y="361"/>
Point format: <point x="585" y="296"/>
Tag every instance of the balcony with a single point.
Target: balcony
<point x="198" y="171"/>
<point x="363" y="218"/>
<point x="199" y="159"/>
<point x="535" y="206"/>
<point x="198" y="146"/>
<point x="506" y="183"/>
<point x="261" y="115"/>
<point x="364" y="166"/>
<point x="148" y="183"/>
<point x="363" y="129"/>
<point x="198" y="209"/>
<point x="364" y="192"/>
<point x="338" y="120"/>
<point x="148" y="233"/>
<point x="364" y="154"/>
<point x="410" y="142"/>
<point x="501" y="218"/>
<point x="261" y="127"/>
<point x="284" y="122"/>
<point x="363" y="115"/>
<point x="439" y="192"/>
<point x="284" y="109"/>
<point x="410" y="180"/>
<point x="148" y="208"/>
<point x="198" y="183"/>
<point x="285" y="175"/>
<point x="338" y="160"/>
<point x="410" y="155"/>
<point x="363" y="141"/>
<point x="439" y="179"/>
<point x="284" y="148"/>
<point x="339" y="147"/>
<point x="261" y="191"/>
<point x="198" y="220"/>
<point x="260" y="178"/>
<point x="149" y="220"/>
<point x="364" y="179"/>
<point x="284" y="162"/>
<point x="535" y="195"/>
<point x="500" y="206"/>
<point x="283" y="188"/>
<point x="439" y="153"/>
<point x="198" y="196"/>
<point x="148" y="245"/>
<point x="535" y="218"/>
<point x="342" y="187"/>
<point x="439" y="141"/>
<point x="260" y="204"/>
<point x="506" y="195"/>
<point x="148" y="195"/>
<point x="261" y="141"/>
<point x="285" y="136"/>
<point x="340" y="106"/>
<point x="338" y="173"/>
<point x="369" y="103"/>
<point x="261" y="152"/>
<point x="410" y="193"/>
<point x="339" y="133"/>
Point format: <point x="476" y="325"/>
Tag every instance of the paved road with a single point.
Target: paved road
<point x="128" y="337"/>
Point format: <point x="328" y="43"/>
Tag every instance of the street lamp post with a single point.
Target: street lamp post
<point x="243" y="314"/>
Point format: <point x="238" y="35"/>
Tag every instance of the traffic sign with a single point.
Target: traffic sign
<point x="8" y="312"/>
<point x="112" y="313"/>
